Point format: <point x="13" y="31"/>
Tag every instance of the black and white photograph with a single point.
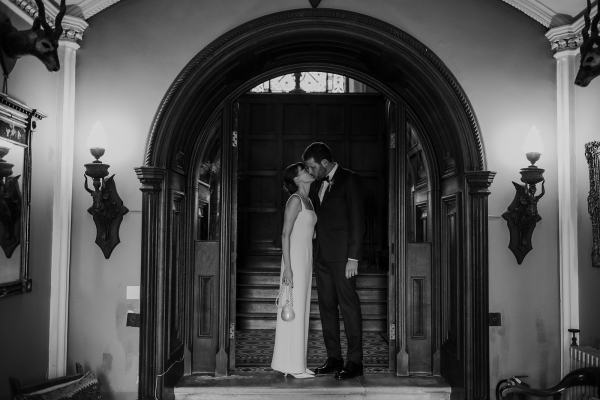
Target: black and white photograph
<point x="299" y="199"/>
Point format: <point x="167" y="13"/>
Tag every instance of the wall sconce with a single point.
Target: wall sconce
<point x="10" y="206"/>
<point x="522" y="214"/>
<point x="107" y="207"/>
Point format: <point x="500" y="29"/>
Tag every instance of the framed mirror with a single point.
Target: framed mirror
<point x="17" y="122"/>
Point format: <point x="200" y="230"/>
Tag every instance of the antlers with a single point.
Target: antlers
<point x="41" y="19"/>
<point x="40" y="41"/>
<point x="589" y="67"/>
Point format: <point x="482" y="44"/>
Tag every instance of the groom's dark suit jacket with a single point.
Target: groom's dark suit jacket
<point x="341" y="223"/>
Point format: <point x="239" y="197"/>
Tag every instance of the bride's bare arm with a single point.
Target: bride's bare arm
<point x="292" y="209"/>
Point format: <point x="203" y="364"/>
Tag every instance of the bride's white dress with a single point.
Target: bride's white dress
<point x="291" y="337"/>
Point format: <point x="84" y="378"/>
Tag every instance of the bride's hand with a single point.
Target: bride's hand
<point x="288" y="277"/>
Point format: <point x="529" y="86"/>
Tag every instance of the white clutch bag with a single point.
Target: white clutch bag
<point x="285" y="302"/>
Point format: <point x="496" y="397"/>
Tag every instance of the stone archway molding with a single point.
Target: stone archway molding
<point x="211" y="60"/>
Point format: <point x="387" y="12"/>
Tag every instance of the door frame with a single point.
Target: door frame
<point x="363" y="48"/>
<point x="394" y="188"/>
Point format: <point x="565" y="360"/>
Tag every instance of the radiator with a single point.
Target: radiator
<point x="581" y="357"/>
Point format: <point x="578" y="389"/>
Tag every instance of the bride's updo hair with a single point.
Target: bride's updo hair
<point x="289" y="173"/>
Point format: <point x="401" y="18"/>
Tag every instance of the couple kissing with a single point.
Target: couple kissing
<point x="323" y="228"/>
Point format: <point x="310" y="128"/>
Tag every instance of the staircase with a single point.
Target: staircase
<point x="257" y="290"/>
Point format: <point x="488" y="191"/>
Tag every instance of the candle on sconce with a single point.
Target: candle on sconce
<point x="97" y="141"/>
<point x="533" y="146"/>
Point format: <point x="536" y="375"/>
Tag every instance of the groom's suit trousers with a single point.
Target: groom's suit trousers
<point x="333" y="288"/>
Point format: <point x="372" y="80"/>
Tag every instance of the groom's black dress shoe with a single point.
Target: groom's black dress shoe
<point x="331" y="366"/>
<point x="351" y="370"/>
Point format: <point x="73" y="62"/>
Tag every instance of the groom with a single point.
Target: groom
<point x="338" y="202"/>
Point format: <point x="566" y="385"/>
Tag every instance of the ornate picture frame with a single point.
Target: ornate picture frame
<point x="17" y="121"/>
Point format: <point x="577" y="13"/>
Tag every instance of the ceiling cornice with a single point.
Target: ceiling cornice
<point x="85" y="9"/>
<point x="534" y="9"/>
<point x="568" y="37"/>
<point x="93" y="7"/>
<point x="538" y="11"/>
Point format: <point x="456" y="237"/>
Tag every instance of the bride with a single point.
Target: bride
<point x="291" y="337"/>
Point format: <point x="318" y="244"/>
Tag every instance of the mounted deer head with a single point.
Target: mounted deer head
<point x="40" y="41"/>
<point x="590" y="49"/>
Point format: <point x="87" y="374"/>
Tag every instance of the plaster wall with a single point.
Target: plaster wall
<point x="587" y="120"/>
<point x="134" y="50"/>
<point x="24" y="318"/>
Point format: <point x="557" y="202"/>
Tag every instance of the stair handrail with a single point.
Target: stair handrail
<point x="588" y="376"/>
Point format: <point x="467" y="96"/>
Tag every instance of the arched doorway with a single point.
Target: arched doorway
<point x="197" y="116"/>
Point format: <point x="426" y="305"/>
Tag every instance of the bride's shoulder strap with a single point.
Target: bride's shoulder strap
<point x="299" y="198"/>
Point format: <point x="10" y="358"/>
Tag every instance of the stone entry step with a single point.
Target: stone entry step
<point x="274" y="385"/>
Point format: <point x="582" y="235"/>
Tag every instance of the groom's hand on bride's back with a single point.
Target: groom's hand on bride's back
<point x="351" y="268"/>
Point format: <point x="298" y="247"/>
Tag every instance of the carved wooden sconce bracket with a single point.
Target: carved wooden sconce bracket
<point x="107" y="207"/>
<point x="522" y="214"/>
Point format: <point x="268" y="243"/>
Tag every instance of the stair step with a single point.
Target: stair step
<point x="265" y="305"/>
<point x="272" y="385"/>
<point x="371" y="323"/>
<point x="262" y="262"/>
<point x="363" y="281"/>
<point x="270" y="291"/>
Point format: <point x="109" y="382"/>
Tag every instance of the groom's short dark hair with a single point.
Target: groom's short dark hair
<point x="318" y="151"/>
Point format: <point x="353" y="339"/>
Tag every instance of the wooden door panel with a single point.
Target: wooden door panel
<point x="368" y="156"/>
<point x="361" y="117"/>
<point x="297" y="119"/>
<point x="452" y="293"/>
<point x="175" y="276"/>
<point x="260" y="191"/>
<point x="329" y="120"/>
<point x="418" y="301"/>
<point x="262" y="155"/>
<point x="262" y="119"/>
<point x="339" y="149"/>
<point x="206" y="297"/>
<point x="292" y="152"/>
<point x="265" y="228"/>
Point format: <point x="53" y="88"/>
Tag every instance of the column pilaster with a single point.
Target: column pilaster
<point x="476" y="279"/>
<point x="61" y="207"/>
<point x="566" y="68"/>
<point x="152" y="324"/>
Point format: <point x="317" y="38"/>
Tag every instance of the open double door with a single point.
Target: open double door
<point x="239" y="201"/>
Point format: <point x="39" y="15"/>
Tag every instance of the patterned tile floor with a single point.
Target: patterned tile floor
<point x="254" y="349"/>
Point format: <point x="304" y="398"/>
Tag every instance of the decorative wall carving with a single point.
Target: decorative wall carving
<point x="592" y="153"/>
